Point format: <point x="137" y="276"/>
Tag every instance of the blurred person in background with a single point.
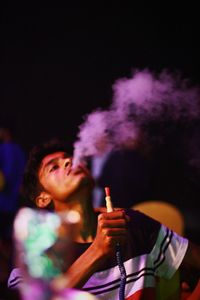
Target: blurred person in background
<point x="12" y="162"/>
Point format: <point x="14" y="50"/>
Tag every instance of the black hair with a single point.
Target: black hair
<point x="31" y="186"/>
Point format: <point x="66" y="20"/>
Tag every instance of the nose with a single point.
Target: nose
<point x="67" y="163"/>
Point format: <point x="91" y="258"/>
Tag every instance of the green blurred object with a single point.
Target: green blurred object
<point x="43" y="242"/>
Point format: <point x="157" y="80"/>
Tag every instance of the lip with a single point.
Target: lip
<point x="77" y="170"/>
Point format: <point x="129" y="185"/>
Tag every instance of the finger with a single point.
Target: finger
<point x="125" y="215"/>
<point x="100" y="209"/>
<point x="114" y="232"/>
<point x="112" y="215"/>
<point x="119" y="223"/>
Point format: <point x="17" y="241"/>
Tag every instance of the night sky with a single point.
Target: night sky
<point x="58" y="64"/>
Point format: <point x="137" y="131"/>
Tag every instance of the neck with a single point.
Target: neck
<point x="86" y="228"/>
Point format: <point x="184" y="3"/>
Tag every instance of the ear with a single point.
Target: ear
<point x="43" y="200"/>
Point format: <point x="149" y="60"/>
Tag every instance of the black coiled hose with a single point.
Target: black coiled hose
<point x="122" y="273"/>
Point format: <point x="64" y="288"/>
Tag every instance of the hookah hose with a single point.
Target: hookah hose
<point x="118" y="251"/>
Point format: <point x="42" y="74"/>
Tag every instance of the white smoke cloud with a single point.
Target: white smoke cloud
<point x="137" y="101"/>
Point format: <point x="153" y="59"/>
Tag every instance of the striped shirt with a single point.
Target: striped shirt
<point x="152" y="251"/>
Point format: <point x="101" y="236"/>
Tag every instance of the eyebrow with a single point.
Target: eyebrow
<point x="55" y="160"/>
<point x="51" y="161"/>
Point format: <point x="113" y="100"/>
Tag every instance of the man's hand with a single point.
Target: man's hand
<point x="111" y="229"/>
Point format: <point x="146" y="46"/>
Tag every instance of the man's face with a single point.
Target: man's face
<point x="59" y="179"/>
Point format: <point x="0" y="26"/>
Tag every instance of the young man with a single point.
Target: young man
<point x="149" y="249"/>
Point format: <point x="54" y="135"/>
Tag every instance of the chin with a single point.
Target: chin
<point x="87" y="181"/>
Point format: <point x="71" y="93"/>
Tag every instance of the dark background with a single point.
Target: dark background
<point x="59" y="63"/>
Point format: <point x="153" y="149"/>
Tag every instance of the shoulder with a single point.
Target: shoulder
<point x="142" y="229"/>
<point x="142" y="220"/>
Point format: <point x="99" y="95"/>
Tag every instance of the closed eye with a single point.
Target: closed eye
<point x="53" y="168"/>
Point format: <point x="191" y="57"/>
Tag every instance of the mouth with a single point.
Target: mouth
<point x="75" y="171"/>
<point x="84" y="174"/>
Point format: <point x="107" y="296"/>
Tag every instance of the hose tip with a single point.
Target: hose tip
<point x="107" y="191"/>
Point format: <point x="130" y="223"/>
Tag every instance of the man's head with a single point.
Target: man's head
<point x="49" y="174"/>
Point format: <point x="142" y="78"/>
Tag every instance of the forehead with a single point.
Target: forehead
<point x="52" y="156"/>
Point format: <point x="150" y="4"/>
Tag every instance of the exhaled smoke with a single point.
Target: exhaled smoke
<point x="144" y="98"/>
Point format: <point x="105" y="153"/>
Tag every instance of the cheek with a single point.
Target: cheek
<point x="50" y="183"/>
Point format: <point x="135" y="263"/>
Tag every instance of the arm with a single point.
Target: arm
<point x="111" y="229"/>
